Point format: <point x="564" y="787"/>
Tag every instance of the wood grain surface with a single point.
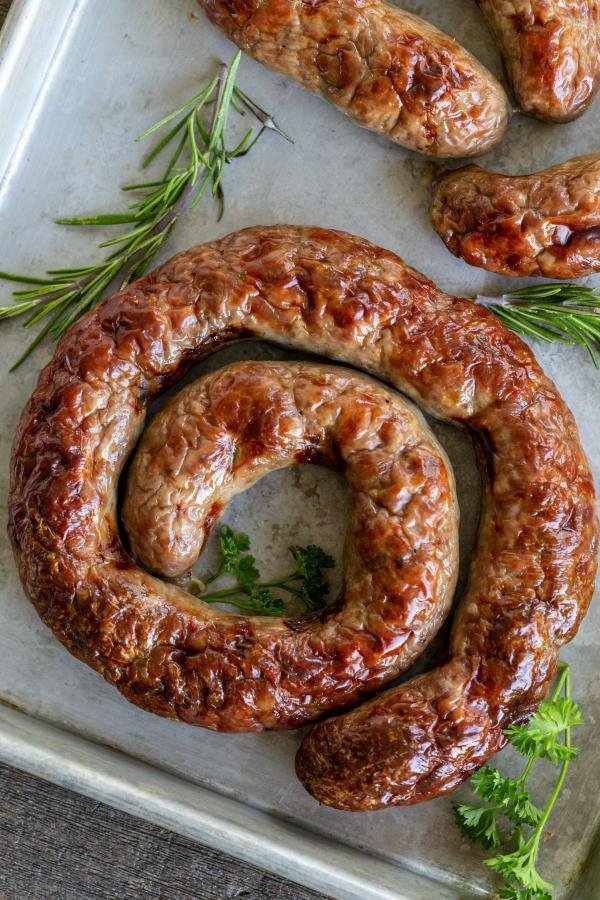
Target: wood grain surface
<point x="56" y="845"/>
<point x="59" y="846"/>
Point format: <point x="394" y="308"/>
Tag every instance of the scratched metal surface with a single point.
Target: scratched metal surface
<point x="99" y="75"/>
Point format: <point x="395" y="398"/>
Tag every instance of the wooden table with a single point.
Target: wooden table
<point x="56" y="844"/>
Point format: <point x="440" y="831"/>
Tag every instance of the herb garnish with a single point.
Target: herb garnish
<point x="196" y="164"/>
<point x="569" y="313"/>
<point x="566" y="312"/>
<point x="540" y="738"/>
<point x="306" y="582"/>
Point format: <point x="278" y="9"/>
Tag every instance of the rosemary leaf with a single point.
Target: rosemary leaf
<point x="24" y="279"/>
<point x="564" y="312"/>
<point x="197" y="162"/>
<point x="109" y="219"/>
<point x="194" y="102"/>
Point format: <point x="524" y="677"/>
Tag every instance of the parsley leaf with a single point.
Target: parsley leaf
<point x="232" y="543"/>
<point x="508" y="795"/>
<point x="478" y="823"/>
<point x="538" y="737"/>
<point x="247" y="574"/>
<point x="520" y="866"/>
<point x="519" y="893"/>
<point x="251" y="594"/>
<point x="311" y="560"/>
<point x="488" y="783"/>
<point x="547" y="736"/>
<point x="266" y="602"/>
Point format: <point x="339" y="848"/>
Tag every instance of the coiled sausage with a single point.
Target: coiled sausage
<point x="330" y="293"/>
<point x="224" y="432"/>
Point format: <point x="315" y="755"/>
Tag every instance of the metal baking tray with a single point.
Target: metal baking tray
<point x="78" y="80"/>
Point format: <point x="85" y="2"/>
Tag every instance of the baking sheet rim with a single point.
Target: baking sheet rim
<point x="31" y="43"/>
<point x="142" y="790"/>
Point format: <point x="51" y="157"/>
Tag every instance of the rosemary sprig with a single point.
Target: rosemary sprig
<point x="565" y="312"/>
<point x="546" y="736"/>
<point x="195" y="166"/>
<point x="569" y="313"/>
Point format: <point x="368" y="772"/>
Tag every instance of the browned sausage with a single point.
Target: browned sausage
<point x="545" y="224"/>
<point x="330" y="293"/>
<point x="388" y="70"/>
<point x="551" y="51"/>
<point x="227" y="430"/>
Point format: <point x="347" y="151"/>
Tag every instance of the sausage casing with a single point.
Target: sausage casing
<point x="546" y="224"/>
<point x="389" y="70"/>
<point x="326" y="292"/>
<point x="551" y="51"/>
<point x="226" y="430"/>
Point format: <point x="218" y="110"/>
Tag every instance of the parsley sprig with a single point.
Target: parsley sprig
<point x="306" y="582"/>
<point x="547" y="736"/>
<point x="195" y="166"/>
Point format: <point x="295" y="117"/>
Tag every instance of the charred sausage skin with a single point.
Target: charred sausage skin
<point x="389" y="70"/>
<point x="551" y="51"/>
<point x="331" y="293"/>
<point x="546" y="224"/>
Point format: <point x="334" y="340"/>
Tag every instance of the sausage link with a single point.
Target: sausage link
<point x="546" y="224"/>
<point x="551" y="51"/>
<point x="227" y="430"/>
<point x="325" y="292"/>
<point x="390" y="71"/>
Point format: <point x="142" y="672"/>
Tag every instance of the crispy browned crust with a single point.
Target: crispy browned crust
<point x="387" y="69"/>
<point x="546" y="224"/>
<point x="551" y="50"/>
<point x="227" y="430"/>
<point x="327" y="292"/>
